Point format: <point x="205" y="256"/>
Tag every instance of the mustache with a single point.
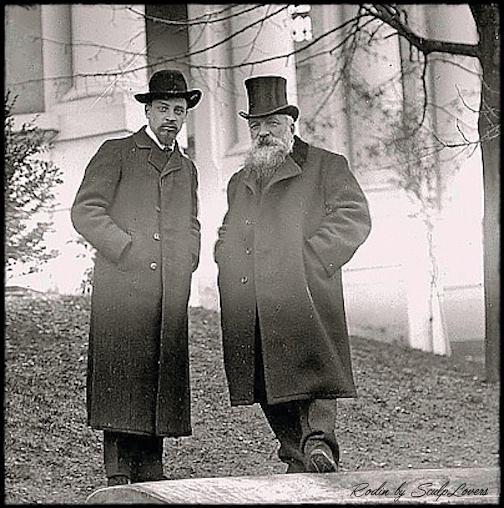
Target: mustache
<point x="268" y="142"/>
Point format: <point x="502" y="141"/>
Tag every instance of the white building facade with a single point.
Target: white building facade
<point x="59" y="60"/>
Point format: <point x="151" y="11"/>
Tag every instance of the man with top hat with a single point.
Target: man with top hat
<point x="137" y="206"/>
<point x="296" y="215"/>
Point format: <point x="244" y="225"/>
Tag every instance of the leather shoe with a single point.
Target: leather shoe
<point x="118" y="479"/>
<point x="320" y="459"/>
<point x="142" y="479"/>
<point x="295" y="467"/>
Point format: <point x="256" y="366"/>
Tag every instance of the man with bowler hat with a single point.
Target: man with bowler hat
<point x="137" y="206"/>
<point x="296" y="215"/>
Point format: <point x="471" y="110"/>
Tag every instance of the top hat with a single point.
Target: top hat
<point x="167" y="84"/>
<point x="267" y="96"/>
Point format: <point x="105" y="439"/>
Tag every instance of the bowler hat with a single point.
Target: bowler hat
<point x="267" y="95"/>
<point x="167" y="84"/>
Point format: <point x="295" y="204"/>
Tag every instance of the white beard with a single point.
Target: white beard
<point x="264" y="158"/>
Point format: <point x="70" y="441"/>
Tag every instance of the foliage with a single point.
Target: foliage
<point x="408" y="150"/>
<point x="397" y="126"/>
<point x="90" y="253"/>
<point x="29" y="181"/>
<point x="414" y="410"/>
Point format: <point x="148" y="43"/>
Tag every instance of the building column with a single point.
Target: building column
<point x="108" y="38"/>
<point x="102" y="39"/>
<point x="209" y="131"/>
<point x="56" y="51"/>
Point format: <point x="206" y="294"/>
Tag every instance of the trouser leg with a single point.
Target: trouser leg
<point x="117" y="454"/>
<point x="300" y="426"/>
<point x="148" y="459"/>
<point x="318" y="422"/>
<point x="135" y="456"/>
<point x="285" y="423"/>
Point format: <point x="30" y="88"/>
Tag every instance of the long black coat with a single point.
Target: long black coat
<point x="281" y="251"/>
<point x="138" y="208"/>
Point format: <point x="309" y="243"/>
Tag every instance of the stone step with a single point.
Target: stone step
<point x="437" y="486"/>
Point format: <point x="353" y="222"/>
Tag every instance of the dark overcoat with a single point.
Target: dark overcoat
<point x="137" y="205"/>
<point x="280" y="251"/>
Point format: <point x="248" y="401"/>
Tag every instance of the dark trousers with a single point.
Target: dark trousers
<point x="135" y="456"/>
<point x="301" y="425"/>
<point x="298" y="425"/>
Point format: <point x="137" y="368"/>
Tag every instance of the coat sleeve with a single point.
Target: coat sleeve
<point x="347" y="221"/>
<point x="90" y="210"/>
<point x="195" y="224"/>
<point x="231" y="191"/>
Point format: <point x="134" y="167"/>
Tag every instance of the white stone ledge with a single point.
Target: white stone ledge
<point x="328" y="488"/>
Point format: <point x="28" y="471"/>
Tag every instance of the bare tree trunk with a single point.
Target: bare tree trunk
<point x="437" y="326"/>
<point x="487" y="22"/>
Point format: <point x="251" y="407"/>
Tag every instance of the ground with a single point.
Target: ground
<point x="414" y="409"/>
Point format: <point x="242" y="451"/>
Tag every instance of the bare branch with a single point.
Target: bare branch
<point x="455" y="64"/>
<point x="371" y="35"/>
<point x="464" y="144"/>
<point x="461" y="132"/>
<point x="449" y="113"/>
<point x="86" y="44"/>
<point x="420" y="123"/>
<point x="184" y="58"/>
<point x="205" y="19"/>
<point x="350" y="34"/>
<point x="432" y="150"/>
<point x="426" y="46"/>
<point x="253" y="43"/>
<point x="424" y="89"/>
<point x="463" y="100"/>
<point x="334" y="83"/>
<point x="227" y="39"/>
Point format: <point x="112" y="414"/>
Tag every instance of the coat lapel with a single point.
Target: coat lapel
<point x="157" y="157"/>
<point x="292" y="165"/>
<point x="251" y="182"/>
<point x="174" y="162"/>
<point x="288" y="169"/>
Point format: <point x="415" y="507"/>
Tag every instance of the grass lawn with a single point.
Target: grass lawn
<point x="414" y="409"/>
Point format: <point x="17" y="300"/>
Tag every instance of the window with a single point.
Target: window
<point x="301" y="29"/>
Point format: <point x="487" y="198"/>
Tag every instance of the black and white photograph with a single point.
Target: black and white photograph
<point x="251" y="253"/>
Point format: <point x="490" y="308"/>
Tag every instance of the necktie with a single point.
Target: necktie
<point x="168" y="151"/>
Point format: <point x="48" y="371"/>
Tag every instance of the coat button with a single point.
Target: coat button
<point x="156" y="236"/>
<point x="248" y="250"/>
<point x="244" y="279"/>
<point x="248" y="222"/>
<point x="153" y="265"/>
<point x="157" y="209"/>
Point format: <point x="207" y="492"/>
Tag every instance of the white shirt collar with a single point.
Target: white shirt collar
<point x="151" y="134"/>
